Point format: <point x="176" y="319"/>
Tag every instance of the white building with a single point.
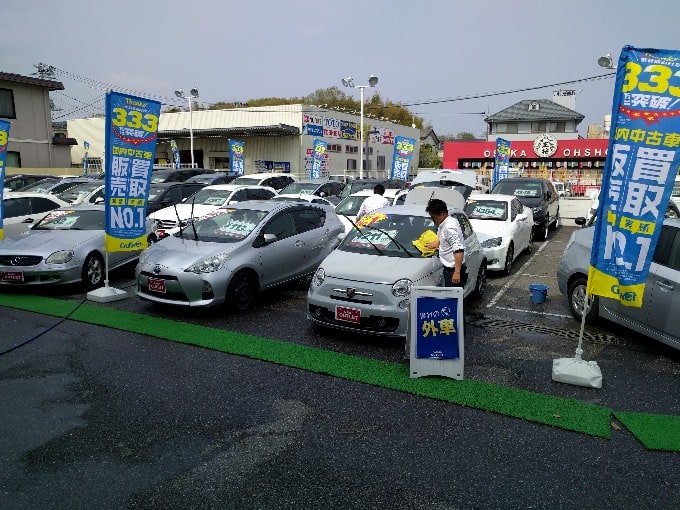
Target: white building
<point x="276" y="138"/>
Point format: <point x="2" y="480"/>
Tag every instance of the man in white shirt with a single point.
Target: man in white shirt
<point x="373" y="202"/>
<point x="450" y="243"/>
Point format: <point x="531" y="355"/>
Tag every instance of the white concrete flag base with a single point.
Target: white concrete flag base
<point x="106" y="294"/>
<point x="577" y="371"/>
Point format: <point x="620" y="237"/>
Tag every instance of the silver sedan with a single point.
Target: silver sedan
<point x="66" y="246"/>
<point x="232" y="253"/>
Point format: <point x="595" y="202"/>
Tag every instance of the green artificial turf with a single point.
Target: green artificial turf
<point x="654" y="431"/>
<point x="558" y="412"/>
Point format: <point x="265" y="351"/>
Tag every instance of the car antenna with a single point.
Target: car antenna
<point x="179" y="221"/>
<point x="354" y="225"/>
<point x="193" y="223"/>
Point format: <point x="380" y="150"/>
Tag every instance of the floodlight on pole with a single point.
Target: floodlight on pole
<point x="372" y="82"/>
<point x="193" y="95"/>
<point x="606" y="61"/>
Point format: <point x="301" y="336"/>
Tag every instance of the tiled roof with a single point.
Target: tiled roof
<point x="545" y="111"/>
<point x="29" y="80"/>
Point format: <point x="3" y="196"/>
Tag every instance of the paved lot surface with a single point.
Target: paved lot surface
<point x="96" y="418"/>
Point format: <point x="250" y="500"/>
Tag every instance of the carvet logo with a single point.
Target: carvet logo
<point x="630" y="296"/>
<point x="130" y="244"/>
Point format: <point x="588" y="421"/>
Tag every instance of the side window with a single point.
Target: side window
<point x="188" y="190"/>
<point x="515" y="209"/>
<point x="259" y="194"/>
<point x="667" y="252"/>
<point x="238" y="196"/>
<point x="174" y="194"/>
<point x="281" y="226"/>
<point x="99" y="194"/>
<point x="17" y="207"/>
<point x="465" y="224"/>
<point x="309" y="219"/>
<point x="39" y="205"/>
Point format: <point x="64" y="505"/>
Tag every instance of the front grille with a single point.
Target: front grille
<point x="20" y="260"/>
<point x="158" y="276"/>
<point x="166" y="224"/>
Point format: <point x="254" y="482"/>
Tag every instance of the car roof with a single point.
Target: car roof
<point x="271" y="205"/>
<point x="491" y="196"/>
<point x="31" y="194"/>
<point x="232" y="187"/>
<point x="265" y="175"/>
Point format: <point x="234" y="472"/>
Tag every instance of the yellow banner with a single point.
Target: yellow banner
<point x="603" y="284"/>
<point x="117" y="244"/>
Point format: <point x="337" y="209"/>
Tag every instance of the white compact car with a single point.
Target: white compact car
<point x="364" y="285"/>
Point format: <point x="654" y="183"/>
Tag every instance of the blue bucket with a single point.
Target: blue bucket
<point x="538" y="292"/>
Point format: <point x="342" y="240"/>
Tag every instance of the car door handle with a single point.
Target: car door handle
<point x="665" y="285"/>
<point x="299" y="243"/>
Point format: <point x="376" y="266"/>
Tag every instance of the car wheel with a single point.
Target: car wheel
<point x="480" y="283"/>
<point x="555" y="224"/>
<point x="577" y="295"/>
<point x="92" y="274"/>
<point x="241" y="291"/>
<point x="509" y="255"/>
<point x="543" y="232"/>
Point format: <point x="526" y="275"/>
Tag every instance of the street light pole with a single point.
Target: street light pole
<point x="372" y="82"/>
<point x="194" y="94"/>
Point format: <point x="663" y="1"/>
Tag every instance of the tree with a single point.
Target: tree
<point x="429" y="158"/>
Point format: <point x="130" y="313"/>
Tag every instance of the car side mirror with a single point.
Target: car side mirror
<point x="580" y="220"/>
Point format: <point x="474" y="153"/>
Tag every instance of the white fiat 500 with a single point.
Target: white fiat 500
<point x="365" y="284"/>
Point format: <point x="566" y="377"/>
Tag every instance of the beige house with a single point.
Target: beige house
<point x="25" y="103"/>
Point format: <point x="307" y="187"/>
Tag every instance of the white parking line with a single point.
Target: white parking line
<point x="512" y="280"/>
<point x="561" y="315"/>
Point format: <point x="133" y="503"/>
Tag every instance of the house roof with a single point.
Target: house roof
<point x="29" y="80"/>
<point x="274" y="130"/>
<point x="540" y="110"/>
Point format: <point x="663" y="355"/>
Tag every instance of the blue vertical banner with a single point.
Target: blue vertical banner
<point x="642" y="162"/>
<point x="175" y="153"/>
<point x="236" y="156"/>
<point x="317" y="158"/>
<point x="403" y="151"/>
<point x="502" y="161"/>
<point x="4" y="139"/>
<point x="86" y="145"/>
<point x="437" y="328"/>
<point x="130" y="146"/>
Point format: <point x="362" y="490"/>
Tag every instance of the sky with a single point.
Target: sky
<point x="450" y="62"/>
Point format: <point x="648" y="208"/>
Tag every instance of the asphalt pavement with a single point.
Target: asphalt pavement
<point x="94" y="417"/>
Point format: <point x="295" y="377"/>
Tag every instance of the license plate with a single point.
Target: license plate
<point x="13" y="276"/>
<point x="342" y="313"/>
<point x="156" y="285"/>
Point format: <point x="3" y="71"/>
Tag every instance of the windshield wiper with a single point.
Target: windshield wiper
<point x="391" y="239"/>
<point x="354" y="226"/>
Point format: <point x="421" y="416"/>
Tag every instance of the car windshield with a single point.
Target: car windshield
<point x="40" y="186"/>
<point x="487" y="210"/>
<point x="390" y="235"/>
<point x="87" y="219"/>
<point x="247" y="180"/>
<point x="210" y="197"/>
<point x="85" y="188"/>
<point x="224" y="226"/>
<point x="300" y="187"/>
<point x="350" y="205"/>
<point x="354" y="186"/>
<point x="519" y="189"/>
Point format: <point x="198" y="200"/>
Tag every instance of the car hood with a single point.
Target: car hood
<point x="48" y="241"/>
<point x="184" y="211"/>
<point x="377" y="268"/>
<point x="175" y="252"/>
<point x="486" y="229"/>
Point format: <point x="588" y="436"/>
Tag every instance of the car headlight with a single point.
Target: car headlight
<point x="402" y="287"/>
<point x="60" y="257"/>
<point x="492" y="243"/>
<point x="208" y="264"/>
<point x="319" y="277"/>
<point x="143" y="256"/>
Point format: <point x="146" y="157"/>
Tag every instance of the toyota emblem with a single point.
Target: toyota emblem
<point x="16" y="261"/>
<point x="350" y="292"/>
<point x="156" y="269"/>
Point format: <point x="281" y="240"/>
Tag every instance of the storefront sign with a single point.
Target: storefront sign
<point x="4" y="138"/>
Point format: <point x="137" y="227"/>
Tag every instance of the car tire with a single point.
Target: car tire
<point x="556" y="224"/>
<point x="543" y="232"/>
<point x="576" y="294"/>
<point x="92" y="274"/>
<point x="480" y="282"/>
<point x="241" y="291"/>
<point x="509" y="256"/>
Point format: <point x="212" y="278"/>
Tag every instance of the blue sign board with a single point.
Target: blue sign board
<point x="317" y="158"/>
<point x="4" y="138"/>
<point x="437" y="327"/>
<point x="236" y="156"/>
<point x="403" y="151"/>
<point x="502" y="161"/>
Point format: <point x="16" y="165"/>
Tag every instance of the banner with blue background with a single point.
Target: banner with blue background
<point x="437" y="328"/>
<point x="317" y="158"/>
<point x="236" y="156"/>
<point x="86" y="146"/>
<point x="642" y="163"/>
<point x="502" y="161"/>
<point x="403" y="151"/>
<point x="130" y="146"/>
<point x="175" y="153"/>
<point x="4" y="139"/>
